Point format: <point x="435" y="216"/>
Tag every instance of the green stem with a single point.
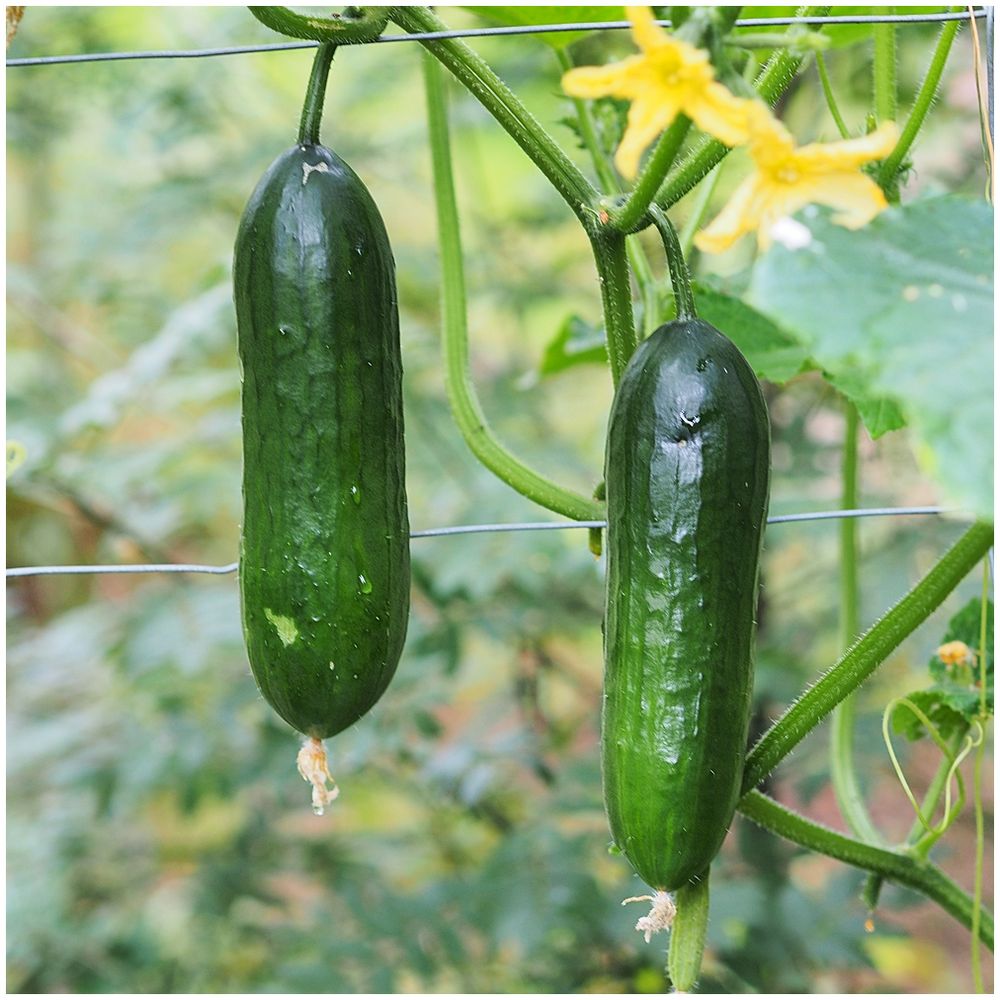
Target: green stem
<point x="862" y="659"/>
<point x="917" y="838"/>
<point x="773" y="81"/>
<point x="474" y="73"/>
<point x="925" y="878"/>
<point x="928" y="807"/>
<point x="687" y="933"/>
<point x="884" y="71"/>
<point x="831" y="100"/>
<point x="616" y="298"/>
<point x="977" y="798"/>
<point x="701" y="202"/>
<point x="312" y="109"/>
<point x="889" y="170"/>
<point x="680" y="279"/>
<point x="588" y="133"/>
<point x="630" y="214"/>
<point x="812" y="41"/>
<point x="637" y="258"/>
<point x="461" y="392"/>
<point x="843" y="772"/>
<point x="977" y="781"/>
<point x="365" y="24"/>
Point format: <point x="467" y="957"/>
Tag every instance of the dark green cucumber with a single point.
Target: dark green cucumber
<point x="687" y="472"/>
<point x="324" y="559"/>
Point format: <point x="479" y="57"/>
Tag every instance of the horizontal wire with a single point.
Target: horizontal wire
<point x="466" y="529"/>
<point x="500" y="31"/>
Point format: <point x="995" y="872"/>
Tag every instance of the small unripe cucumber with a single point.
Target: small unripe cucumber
<point x="687" y="472"/>
<point x="324" y="559"/>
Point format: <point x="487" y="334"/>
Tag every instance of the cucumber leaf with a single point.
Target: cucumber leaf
<point x="901" y="312"/>
<point x="577" y="342"/>
<point x="952" y="701"/>
<point x="774" y="354"/>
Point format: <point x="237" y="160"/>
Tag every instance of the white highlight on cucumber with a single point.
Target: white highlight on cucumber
<point x="287" y="630"/>
<point x="310" y="168"/>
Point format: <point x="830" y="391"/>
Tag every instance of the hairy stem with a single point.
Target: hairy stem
<point x="616" y="298"/>
<point x="461" y="392"/>
<point x="888" y="172"/>
<point x="630" y="215"/>
<point x="925" y="878"/>
<point x="687" y="934"/>
<point x="884" y="71"/>
<point x="862" y="659"/>
<point x="831" y="100"/>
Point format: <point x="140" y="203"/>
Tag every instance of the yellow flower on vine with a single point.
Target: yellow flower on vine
<point x="788" y="177"/>
<point x="954" y="653"/>
<point x="668" y="79"/>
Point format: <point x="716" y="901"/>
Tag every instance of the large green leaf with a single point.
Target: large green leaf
<point x="550" y="15"/>
<point x="774" y="354"/>
<point x="902" y="312"/>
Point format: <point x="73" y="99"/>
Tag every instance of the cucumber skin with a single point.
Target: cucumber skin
<point x="324" y="554"/>
<point x="687" y="507"/>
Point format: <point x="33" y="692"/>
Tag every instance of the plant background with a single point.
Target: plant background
<point x="158" y="836"/>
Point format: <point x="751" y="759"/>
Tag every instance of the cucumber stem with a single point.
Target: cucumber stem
<point x="897" y="865"/>
<point x="687" y="935"/>
<point x="680" y="279"/>
<point x="312" y="108"/>
<point x="887" y="175"/>
<point x="464" y="401"/>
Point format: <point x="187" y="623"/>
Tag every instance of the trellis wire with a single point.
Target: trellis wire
<point x="462" y="529"/>
<point x="501" y="31"/>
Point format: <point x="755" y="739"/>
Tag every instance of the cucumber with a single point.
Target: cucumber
<point x="687" y="472"/>
<point x="324" y="556"/>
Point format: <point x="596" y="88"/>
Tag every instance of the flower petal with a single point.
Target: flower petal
<point x="741" y="215"/>
<point x="647" y="33"/>
<point x="647" y="118"/>
<point x="721" y="114"/>
<point x="847" y="153"/>
<point x="770" y="141"/>
<point x="622" y="79"/>
<point x="856" y="198"/>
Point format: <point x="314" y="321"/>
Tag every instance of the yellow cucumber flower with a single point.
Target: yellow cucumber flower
<point x="670" y="78"/>
<point x="954" y="653"/>
<point x="787" y="178"/>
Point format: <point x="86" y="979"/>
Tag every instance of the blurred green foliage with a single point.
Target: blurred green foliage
<point x="159" y="839"/>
